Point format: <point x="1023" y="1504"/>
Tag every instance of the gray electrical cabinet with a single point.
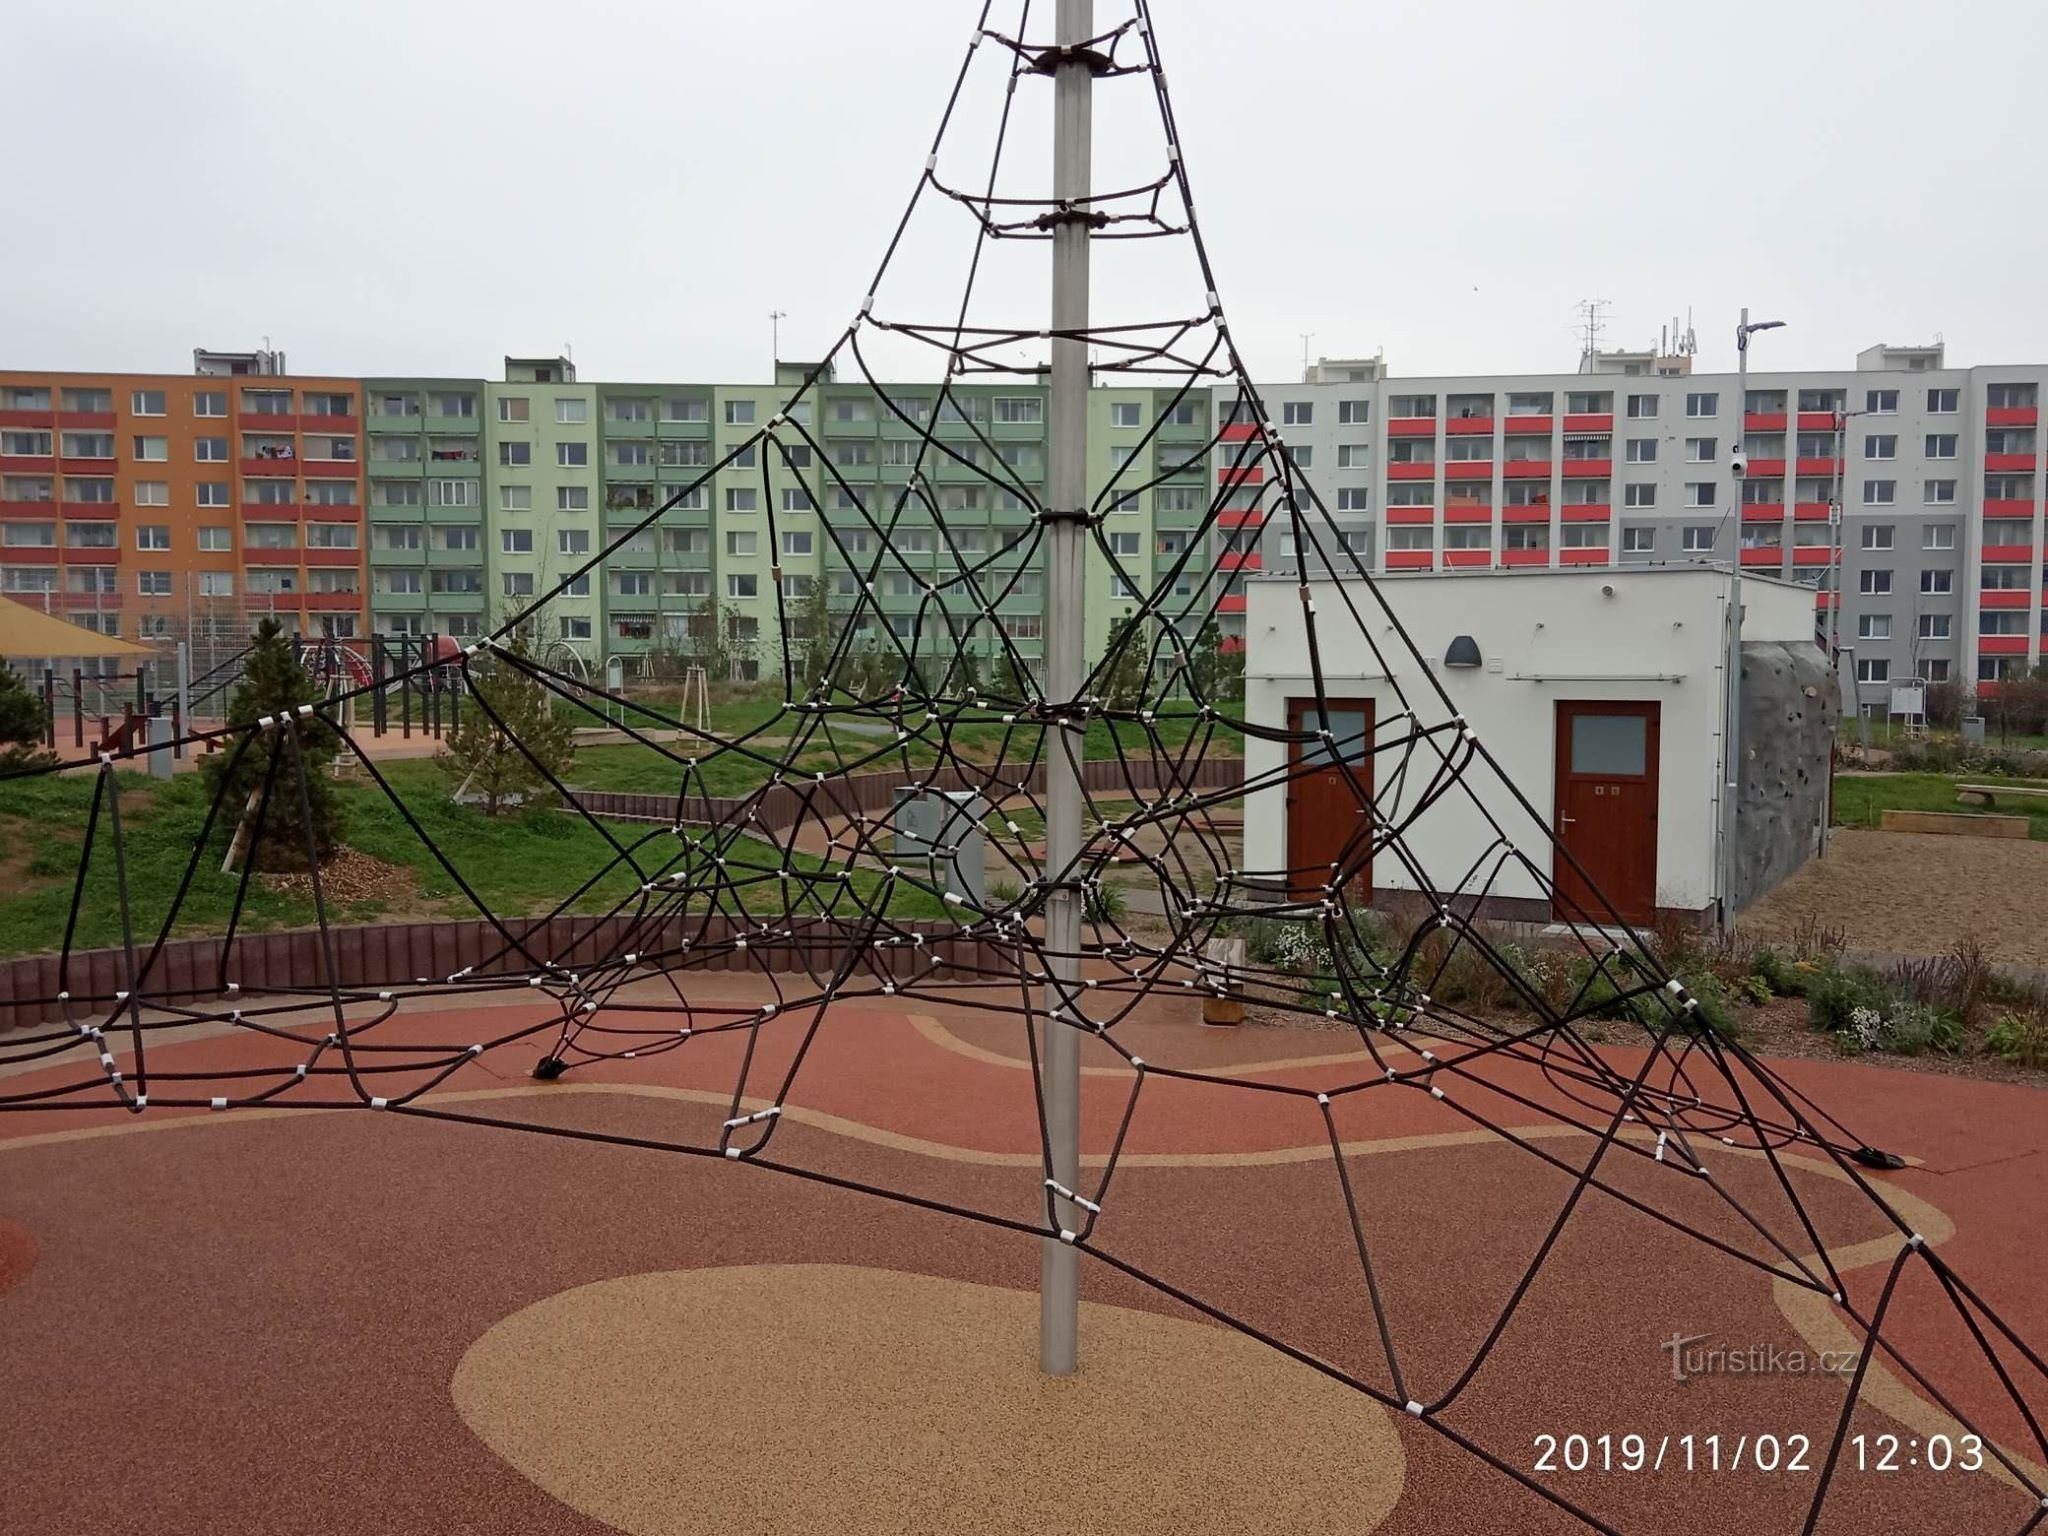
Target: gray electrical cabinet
<point x="938" y="837"/>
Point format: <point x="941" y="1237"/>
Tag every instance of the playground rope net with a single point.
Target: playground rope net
<point x="918" y="679"/>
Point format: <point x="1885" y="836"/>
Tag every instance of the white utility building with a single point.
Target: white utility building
<point x="1598" y="694"/>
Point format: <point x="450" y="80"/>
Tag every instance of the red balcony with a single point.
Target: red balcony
<point x="1526" y="469"/>
<point x="2008" y="554"/>
<point x="1240" y="432"/>
<point x="282" y="602"/>
<point x="1230" y="517"/>
<point x="1526" y="426"/>
<point x="99" y="467"/>
<point x="260" y="421"/>
<point x="1588" y="469"/>
<point x="1824" y="599"/>
<point x="1586" y="512"/>
<point x="1468" y="512"/>
<point x="1763" y="512"/>
<point x="1814" y="421"/>
<point x="1995" y="507"/>
<point x="330" y="426"/>
<point x="321" y="512"/>
<point x="93" y="556"/>
<point x="1409" y="516"/>
<point x="288" y="558"/>
<point x="1814" y="466"/>
<point x="333" y="602"/>
<point x="270" y="511"/>
<point x="87" y="602"/>
<point x="1469" y="469"/>
<point x="1228" y="560"/>
<point x="1595" y="556"/>
<point x="1525" y="557"/>
<point x="1399" y="471"/>
<point x="1468" y="426"/>
<point x="28" y="554"/>
<point x="1767" y="421"/>
<point x="319" y="555"/>
<point x="36" y="511"/>
<point x="89" y="511"/>
<point x="1230" y="602"/>
<point x="1457" y="557"/>
<point x="1996" y="416"/>
<point x="1810" y="512"/>
<point x="47" y="420"/>
<point x="1766" y="469"/>
<point x="2010" y="463"/>
<point x="1812" y="554"/>
<point x="283" y="469"/>
<point x="1538" y="513"/>
<point x="1240" y="474"/>
<point x="1590" y="423"/>
<point x="331" y="469"/>
<point x="28" y="464"/>
<point x="2002" y="645"/>
<point x="2006" y="597"/>
<point x="1410" y="560"/>
<point x="87" y="421"/>
<point x="1411" y="426"/>
<point x="1772" y="556"/>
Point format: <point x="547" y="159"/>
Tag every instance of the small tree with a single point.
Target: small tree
<point x="23" y="723"/>
<point x="1123" y="684"/>
<point x="274" y="685"/>
<point x="484" y="756"/>
<point x="810" y="641"/>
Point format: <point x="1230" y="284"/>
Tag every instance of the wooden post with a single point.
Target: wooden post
<point x="1226" y="957"/>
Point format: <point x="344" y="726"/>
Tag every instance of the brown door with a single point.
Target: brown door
<point x="1329" y="788"/>
<point x="1607" y="810"/>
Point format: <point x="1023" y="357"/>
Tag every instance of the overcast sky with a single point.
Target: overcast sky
<point x="421" y="186"/>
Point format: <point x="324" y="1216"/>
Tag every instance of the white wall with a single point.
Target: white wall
<point x="1545" y="636"/>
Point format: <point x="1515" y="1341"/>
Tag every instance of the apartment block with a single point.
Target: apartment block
<point x="1936" y="472"/>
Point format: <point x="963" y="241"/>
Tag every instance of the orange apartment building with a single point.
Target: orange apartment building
<point x="182" y="506"/>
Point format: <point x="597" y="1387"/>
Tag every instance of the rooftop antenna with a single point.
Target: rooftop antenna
<point x="1688" y="344"/>
<point x="1592" y="322"/>
<point x="1306" y="337"/>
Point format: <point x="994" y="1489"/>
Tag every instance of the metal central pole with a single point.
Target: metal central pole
<point x="1066" y="485"/>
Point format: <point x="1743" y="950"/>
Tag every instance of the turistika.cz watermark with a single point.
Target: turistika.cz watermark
<point x="1691" y="1355"/>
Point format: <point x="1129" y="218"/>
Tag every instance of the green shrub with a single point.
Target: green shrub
<point x="1911" y="1028"/>
<point x="2020" y="1038"/>
<point x="1835" y="995"/>
<point x="1106" y="904"/>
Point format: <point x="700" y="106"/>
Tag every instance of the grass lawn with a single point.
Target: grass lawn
<point x="1859" y="798"/>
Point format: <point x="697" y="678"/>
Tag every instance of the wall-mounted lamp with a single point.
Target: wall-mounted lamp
<point x="1464" y="652"/>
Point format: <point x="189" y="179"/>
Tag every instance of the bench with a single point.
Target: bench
<point x="1987" y="794"/>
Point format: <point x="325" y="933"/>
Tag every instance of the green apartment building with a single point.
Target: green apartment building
<point x="542" y="451"/>
<point x="427" y="488"/>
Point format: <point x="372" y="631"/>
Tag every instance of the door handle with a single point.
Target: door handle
<point x="1566" y="820"/>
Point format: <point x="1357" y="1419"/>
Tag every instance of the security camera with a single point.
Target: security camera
<point x="1738" y="463"/>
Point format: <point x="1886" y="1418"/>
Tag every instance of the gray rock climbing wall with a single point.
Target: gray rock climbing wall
<point x="1790" y="704"/>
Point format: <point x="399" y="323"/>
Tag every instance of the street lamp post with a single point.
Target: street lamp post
<point x="1731" y="725"/>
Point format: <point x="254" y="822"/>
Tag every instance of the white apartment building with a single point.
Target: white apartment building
<point x="1936" y="471"/>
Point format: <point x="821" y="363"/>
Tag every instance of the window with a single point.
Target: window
<point x="571" y="411"/>
<point x="146" y="402"/>
<point x="1302" y="456"/>
<point x="1880" y="445"/>
<point x="1638" y="540"/>
<point x="742" y="585"/>
<point x="153" y="583"/>
<point x="515" y="541"/>
<point x="572" y="541"/>
<point x="739" y="413"/>
<point x="1937" y="581"/>
<point x="1873" y="669"/>
<point x="686" y="409"/>
<point x="1351" y="455"/>
<point x="572" y="455"/>
<point x="515" y="408"/>
<point x="1873" y="626"/>
<point x="148" y="493"/>
<point x="795" y="455"/>
<point x="1877" y="535"/>
<point x="1938" y="536"/>
<point x="572" y="498"/>
<point x="1934" y="669"/>
<point x="451" y="493"/>
<point x="1935" y="626"/>
<point x="28" y="535"/>
<point x="1880" y="493"/>
<point x="1642" y="407"/>
<point x="1941" y="445"/>
<point x="1938" y="493"/>
<point x="1411" y="538"/>
<point x="1881" y="402"/>
<point x="1698" y="538"/>
<point x="1639" y="495"/>
<point x="451" y="403"/>
<point x="1699" y="450"/>
<point x="88" y="445"/>
<point x="1703" y="404"/>
<point x="152" y="536"/>
<point x="740" y="543"/>
<point x="515" y="455"/>
<point x="1584" y="536"/>
<point x="742" y="498"/>
<point x="516" y="583"/>
<point x="1640" y="450"/>
<point x="92" y="401"/>
<point x="216" y="583"/>
<point x="1700" y="493"/>
<point x="1123" y="414"/>
<point x="336" y="535"/>
<point x="1354" y="498"/>
<point x="1876" y="583"/>
<point x="210" y="403"/>
<point x="1297" y="413"/>
<point x="796" y="499"/>
<point x="26" y="445"/>
<point x="1941" y="402"/>
<point x="213" y="493"/>
<point x="211" y="450"/>
<point x="215" y="541"/>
